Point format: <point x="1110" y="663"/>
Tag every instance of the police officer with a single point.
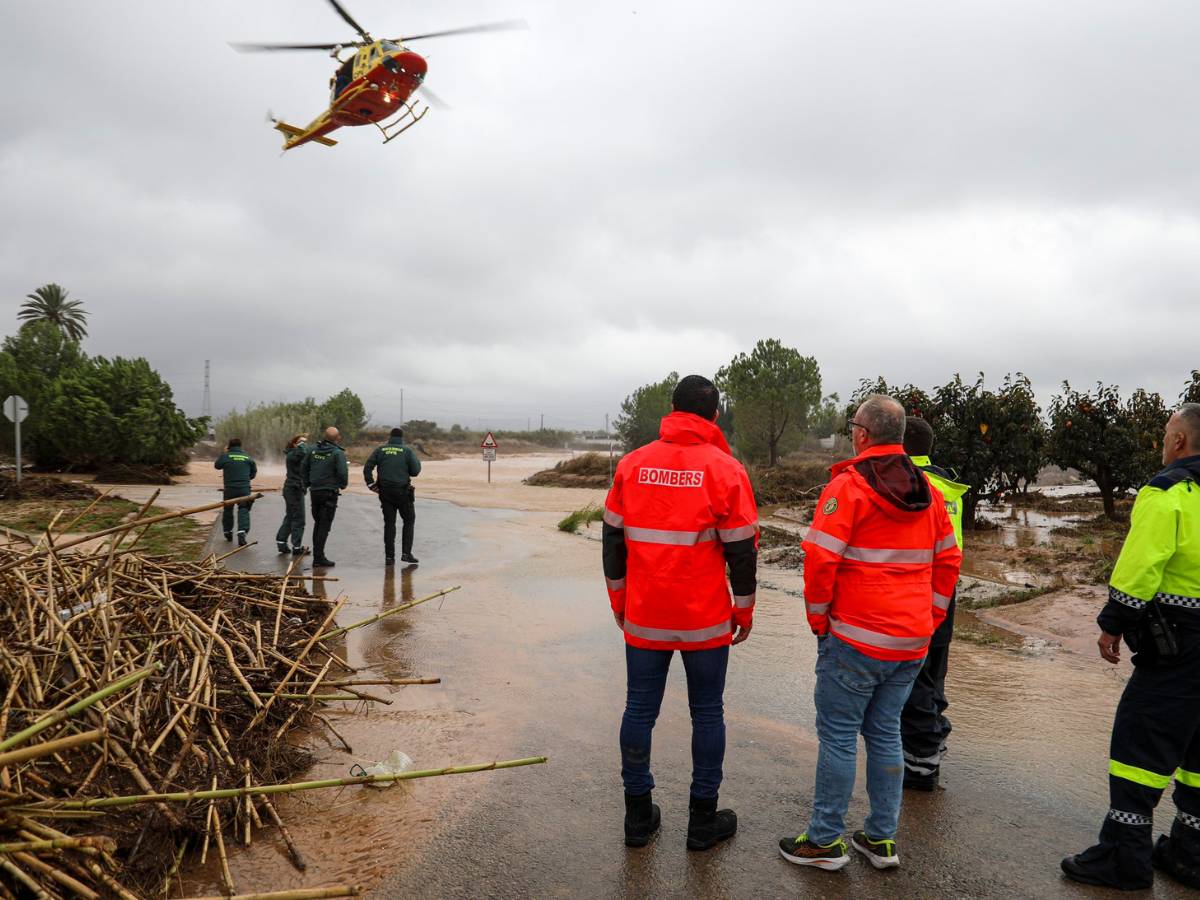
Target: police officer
<point x="293" y="497"/>
<point x="924" y="727"/>
<point x="324" y="472"/>
<point x="237" y="470"/>
<point x="397" y="465"/>
<point x="1154" y="603"/>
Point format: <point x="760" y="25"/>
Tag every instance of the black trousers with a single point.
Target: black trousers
<point x="1156" y="736"/>
<point x="293" y="516"/>
<point x="400" y="500"/>
<point x="324" y="508"/>
<point x="243" y="509"/>
<point x="924" y="727"/>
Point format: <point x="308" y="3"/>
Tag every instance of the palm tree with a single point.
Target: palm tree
<point x="50" y="303"/>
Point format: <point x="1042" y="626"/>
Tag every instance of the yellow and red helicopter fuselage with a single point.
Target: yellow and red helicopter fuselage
<point x="372" y="87"/>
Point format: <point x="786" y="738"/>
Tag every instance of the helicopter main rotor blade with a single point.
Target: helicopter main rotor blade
<point x="507" y="25"/>
<point x="349" y="20"/>
<point x="256" y="48"/>
<point x="434" y="100"/>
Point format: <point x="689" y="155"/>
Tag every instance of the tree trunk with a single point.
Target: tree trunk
<point x="1104" y="482"/>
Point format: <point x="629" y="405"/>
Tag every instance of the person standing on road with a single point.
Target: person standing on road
<point x="293" y="497"/>
<point x="398" y="465"/>
<point x="238" y="469"/>
<point x="924" y="728"/>
<point x="679" y="511"/>
<point x="1154" y="602"/>
<point x="325" y="473"/>
<point x="880" y="566"/>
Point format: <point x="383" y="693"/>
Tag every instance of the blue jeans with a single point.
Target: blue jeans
<point x="858" y="693"/>
<point x="647" y="679"/>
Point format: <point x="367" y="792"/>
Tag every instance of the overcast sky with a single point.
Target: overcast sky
<point x="909" y="189"/>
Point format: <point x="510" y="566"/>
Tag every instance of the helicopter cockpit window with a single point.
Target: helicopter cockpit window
<point x="389" y="46"/>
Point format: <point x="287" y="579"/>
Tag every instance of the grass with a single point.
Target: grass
<point x="177" y="538"/>
<point x="586" y="516"/>
<point x="1009" y="598"/>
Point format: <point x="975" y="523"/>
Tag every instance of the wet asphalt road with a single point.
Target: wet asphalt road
<point x="533" y="664"/>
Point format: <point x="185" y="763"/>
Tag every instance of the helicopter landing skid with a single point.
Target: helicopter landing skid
<point x="406" y="119"/>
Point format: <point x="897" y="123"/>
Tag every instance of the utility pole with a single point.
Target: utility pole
<point x="610" y="456"/>
<point x="401" y="407"/>
<point x="542" y="427"/>
<point x="206" y="407"/>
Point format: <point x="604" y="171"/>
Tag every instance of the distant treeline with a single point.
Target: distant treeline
<point x="265" y="429"/>
<point x="425" y="430"/>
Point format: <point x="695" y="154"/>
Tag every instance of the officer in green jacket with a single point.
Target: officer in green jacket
<point x="238" y="470"/>
<point x="324" y="473"/>
<point x="398" y="465"/>
<point x="924" y="728"/>
<point x="293" y="497"/>
<point x="1154" y="603"/>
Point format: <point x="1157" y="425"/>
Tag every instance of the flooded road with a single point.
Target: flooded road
<point x="532" y="664"/>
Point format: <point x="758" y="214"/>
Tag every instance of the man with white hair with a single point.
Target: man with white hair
<point x="1154" y="603"/>
<point x="881" y="562"/>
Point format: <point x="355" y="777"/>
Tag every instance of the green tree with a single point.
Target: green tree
<point x="1115" y="443"/>
<point x="1191" y="393"/>
<point x="643" y="410"/>
<point x="345" y="412"/>
<point x="31" y="362"/>
<point x="829" y="418"/>
<point x="51" y="303"/>
<point x="774" y="392"/>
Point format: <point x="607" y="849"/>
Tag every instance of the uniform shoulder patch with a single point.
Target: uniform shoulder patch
<point x="830" y="506"/>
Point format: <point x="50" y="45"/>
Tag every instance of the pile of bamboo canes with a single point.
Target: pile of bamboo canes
<point x="146" y="708"/>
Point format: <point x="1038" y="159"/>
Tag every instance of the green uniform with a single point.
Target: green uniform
<point x="238" y="469"/>
<point x="397" y="465"/>
<point x="324" y="472"/>
<point x="293" y="499"/>
<point x="1156" y="732"/>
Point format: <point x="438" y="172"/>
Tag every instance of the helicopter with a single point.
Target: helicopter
<point x="374" y="85"/>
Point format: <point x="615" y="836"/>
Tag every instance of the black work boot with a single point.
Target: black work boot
<point x="241" y="539"/>
<point x="281" y="547"/>
<point x="642" y="818"/>
<point x="1165" y="861"/>
<point x="915" y="782"/>
<point x="1101" y="866"/>
<point x="707" y="825"/>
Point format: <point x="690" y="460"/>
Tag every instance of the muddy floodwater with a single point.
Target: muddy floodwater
<point x="532" y="664"/>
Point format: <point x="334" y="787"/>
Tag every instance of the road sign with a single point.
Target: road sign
<point x="489" y="442"/>
<point x="489" y="454"/>
<point x="16" y="409"/>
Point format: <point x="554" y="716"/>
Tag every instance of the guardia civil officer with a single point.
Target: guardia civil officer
<point x="924" y="727"/>
<point x="1154" y="603"/>
<point x="293" y="497"/>
<point x="238" y="469"/>
<point x="325" y="473"/>
<point x="398" y="465"/>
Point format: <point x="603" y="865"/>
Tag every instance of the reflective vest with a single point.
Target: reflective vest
<point x="881" y="558"/>
<point x="678" y="502"/>
<point x="951" y="490"/>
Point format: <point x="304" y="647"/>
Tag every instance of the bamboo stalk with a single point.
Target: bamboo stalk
<point x="42" y="724"/>
<point x="390" y="612"/>
<point x="70" y="843"/>
<point x="223" y="793"/>
<point x="293" y="851"/>
<point x="339" y="890"/>
<point x="49" y="747"/>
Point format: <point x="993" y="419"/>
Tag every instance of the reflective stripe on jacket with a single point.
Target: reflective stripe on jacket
<point x="881" y="558"/>
<point x="679" y="509"/>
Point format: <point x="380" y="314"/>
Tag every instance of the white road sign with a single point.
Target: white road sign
<point x="489" y="454"/>
<point x="16" y="409"/>
<point x="489" y="442"/>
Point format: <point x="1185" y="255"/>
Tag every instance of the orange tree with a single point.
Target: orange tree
<point x="1114" y="442"/>
<point x="992" y="440"/>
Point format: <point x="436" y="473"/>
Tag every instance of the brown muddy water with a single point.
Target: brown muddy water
<point x="532" y="664"/>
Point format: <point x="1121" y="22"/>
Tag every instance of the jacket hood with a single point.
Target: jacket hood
<point x="688" y="428"/>
<point x="896" y="486"/>
<point x="1186" y="469"/>
<point x="327" y="445"/>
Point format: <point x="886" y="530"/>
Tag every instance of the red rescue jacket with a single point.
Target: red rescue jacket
<point x="678" y="510"/>
<point x="881" y="561"/>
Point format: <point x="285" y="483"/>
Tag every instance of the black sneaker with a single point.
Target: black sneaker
<point x="915" y="782"/>
<point x="241" y="539"/>
<point x="389" y="560"/>
<point x="229" y="535"/>
<point x="880" y="854"/>
<point x="282" y="548"/>
<point x="803" y="852"/>
<point x="323" y="564"/>
<point x="299" y="551"/>
<point x="408" y="558"/>
<point x="642" y="818"/>
<point x="707" y="825"/>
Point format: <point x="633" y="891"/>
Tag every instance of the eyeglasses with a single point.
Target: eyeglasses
<point x="851" y="425"/>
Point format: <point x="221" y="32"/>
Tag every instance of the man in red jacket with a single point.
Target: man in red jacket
<point x="680" y="509"/>
<point x="880" y="566"/>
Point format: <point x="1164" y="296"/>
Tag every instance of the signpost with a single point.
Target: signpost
<point x="16" y="409"/>
<point x="489" y="446"/>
